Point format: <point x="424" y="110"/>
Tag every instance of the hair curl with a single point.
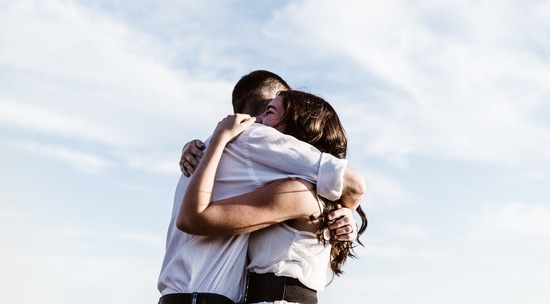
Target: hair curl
<point x="313" y="120"/>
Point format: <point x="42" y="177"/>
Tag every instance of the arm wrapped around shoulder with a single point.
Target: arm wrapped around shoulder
<point x="330" y="176"/>
<point x="354" y="189"/>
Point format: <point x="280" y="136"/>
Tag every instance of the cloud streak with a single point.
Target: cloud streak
<point x="78" y="160"/>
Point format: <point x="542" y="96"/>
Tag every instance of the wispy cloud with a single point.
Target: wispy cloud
<point x="384" y="190"/>
<point x="76" y="72"/>
<point x="79" y="160"/>
<point x="509" y="221"/>
<point x="141" y="238"/>
<point x="51" y="120"/>
<point x="404" y="230"/>
<point x="60" y="255"/>
<point x="469" y="86"/>
<point x="154" y="162"/>
<point x="91" y="64"/>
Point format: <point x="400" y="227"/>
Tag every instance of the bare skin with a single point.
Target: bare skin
<point x="190" y="156"/>
<point x="243" y="213"/>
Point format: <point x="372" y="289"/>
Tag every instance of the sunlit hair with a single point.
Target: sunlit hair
<point x="311" y="119"/>
<point x="254" y="90"/>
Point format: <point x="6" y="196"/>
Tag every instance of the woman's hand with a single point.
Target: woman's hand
<point x="227" y="129"/>
<point x="231" y="126"/>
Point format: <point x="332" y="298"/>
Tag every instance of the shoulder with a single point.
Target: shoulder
<point x="258" y="130"/>
<point x="261" y="128"/>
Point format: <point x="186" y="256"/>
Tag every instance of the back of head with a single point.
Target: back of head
<point x="311" y="119"/>
<point x="254" y="90"/>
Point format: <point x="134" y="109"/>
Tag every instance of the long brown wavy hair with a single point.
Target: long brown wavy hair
<point x="311" y="119"/>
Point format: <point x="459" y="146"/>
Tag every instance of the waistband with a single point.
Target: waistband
<point x="194" y="298"/>
<point x="269" y="287"/>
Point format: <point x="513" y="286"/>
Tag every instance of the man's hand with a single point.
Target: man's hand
<point x="344" y="227"/>
<point x="191" y="154"/>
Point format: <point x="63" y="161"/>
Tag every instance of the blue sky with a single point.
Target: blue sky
<point x="446" y="105"/>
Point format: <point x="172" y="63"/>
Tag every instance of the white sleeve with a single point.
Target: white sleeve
<point x="269" y="149"/>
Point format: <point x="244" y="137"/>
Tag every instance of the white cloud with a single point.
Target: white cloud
<point x="408" y="246"/>
<point x="537" y="175"/>
<point x="67" y="262"/>
<point x="79" y="160"/>
<point x="85" y="65"/>
<point x="510" y="221"/>
<point x="122" y="279"/>
<point x="404" y="230"/>
<point x="49" y="120"/>
<point x="137" y="237"/>
<point x="468" y="85"/>
<point x="384" y="191"/>
<point x="164" y="163"/>
<point x="80" y="74"/>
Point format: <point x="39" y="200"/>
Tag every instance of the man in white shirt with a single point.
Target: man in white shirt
<point x="211" y="269"/>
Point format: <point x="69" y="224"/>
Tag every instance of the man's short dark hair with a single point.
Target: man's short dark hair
<point x="254" y="90"/>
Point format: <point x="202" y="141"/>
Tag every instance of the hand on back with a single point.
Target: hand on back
<point x="191" y="155"/>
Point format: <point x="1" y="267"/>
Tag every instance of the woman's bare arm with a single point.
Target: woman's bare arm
<point x="276" y="202"/>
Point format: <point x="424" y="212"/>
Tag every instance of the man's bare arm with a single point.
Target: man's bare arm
<point x="354" y="189"/>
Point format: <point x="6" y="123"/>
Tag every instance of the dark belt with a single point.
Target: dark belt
<point x="269" y="287"/>
<point x="194" y="298"/>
